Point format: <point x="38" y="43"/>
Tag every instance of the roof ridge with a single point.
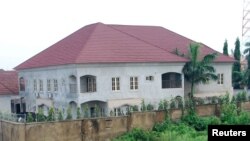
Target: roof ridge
<point x="87" y="40"/>
<point x="141" y="40"/>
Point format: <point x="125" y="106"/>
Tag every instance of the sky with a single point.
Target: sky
<point x="29" y="26"/>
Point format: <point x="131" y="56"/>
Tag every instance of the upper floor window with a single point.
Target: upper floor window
<point x="22" y="84"/>
<point x="55" y="85"/>
<point x="171" y="80"/>
<point x="48" y="85"/>
<point x="88" y="83"/>
<point x="35" y="85"/>
<point x="115" y="83"/>
<point x="133" y="83"/>
<point x="41" y="85"/>
<point x="220" y="78"/>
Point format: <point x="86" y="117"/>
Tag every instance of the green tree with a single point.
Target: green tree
<point x="247" y="53"/>
<point x="60" y="115"/>
<point x="78" y="113"/>
<point x="51" y="116"/>
<point x="69" y="113"/>
<point x="236" y="65"/>
<point x="243" y="78"/>
<point x="198" y="70"/>
<point x="40" y="115"/>
<point x="225" y="48"/>
<point x="30" y="118"/>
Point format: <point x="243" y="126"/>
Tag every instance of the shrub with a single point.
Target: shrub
<point x="51" y="115"/>
<point x="214" y="100"/>
<point x="60" y="115"/>
<point x="195" y="121"/>
<point x="85" y="109"/>
<point x="229" y="113"/>
<point x="69" y="113"/>
<point x="135" y="108"/>
<point x="40" y="116"/>
<point x="78" y="113"/>
<point x="150" y="107"/>
<point x="143" y="106"/>
<point x="172" y="104"/>
<point x="161" y="105"/>
<point x="30" y="118"/>
<point x="241" y="96"/>
<point x="179" y="102"/>
<point x="243" y="118"/>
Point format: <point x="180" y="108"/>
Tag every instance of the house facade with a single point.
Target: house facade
<point x="113" y="67"/>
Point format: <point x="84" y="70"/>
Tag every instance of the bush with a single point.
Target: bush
<point x="137" y="134"/>
<point x="195" y="121"/>
<point x="172" y="104"/>
<point x="150" y="107"/>
<point x="143" y="106"/>
<point x="69" y="113"/>
<point x="30" y="118"/>
<point x="60" y="115"/>
<point x="78" y="113"/>
<point x="161" y="105"/>
<point x="40" y="116"/>
<point x="229" y="113"/>
<point x="243" y="118"/>
<point x="51" y="116"/>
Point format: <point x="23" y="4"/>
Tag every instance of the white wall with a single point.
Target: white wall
<point x="5" y="101"/>
<point x="150" y="91"/>
<point x="213" y="87"/>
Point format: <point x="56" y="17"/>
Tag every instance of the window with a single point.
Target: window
<point x="91" y="84"/>
<point x="150" y="78"/>
<point x="21" y="84"/>
<point x="220" y="78"/>
<point x="115" y="84"/>
<point x="88" y="83"/>
<point x="171" y="80"/>
<point x="48" y="85"/>
<point x="35" y="85"/>
<point x="55" y="85"/>
<point x="133" y="83"/>
<point x="41" y="85"/>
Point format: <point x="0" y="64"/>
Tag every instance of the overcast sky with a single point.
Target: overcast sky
<point x="29" y="26"/>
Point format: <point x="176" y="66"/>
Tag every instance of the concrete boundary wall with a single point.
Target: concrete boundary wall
<point x="95" y="129"/>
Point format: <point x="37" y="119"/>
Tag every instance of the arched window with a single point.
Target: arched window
<point x="21" y="84"/>
<point x="171" y="80"/>
<point x="88" y="83"/>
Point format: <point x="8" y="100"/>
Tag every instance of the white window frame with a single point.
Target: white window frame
<point x="115" y="83"/>
<point x="134" y="83"/>
<point x="34" y="85"/>
<point x="40" y="85"/>
<point x="91" y="84"/>
<point x="55" y="85"/>
<point x="220" y="80"/>
<point x="48" y="85"/>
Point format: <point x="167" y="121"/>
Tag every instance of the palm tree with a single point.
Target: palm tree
<point x="198" y="70"/>
<point x="243" y="78"/>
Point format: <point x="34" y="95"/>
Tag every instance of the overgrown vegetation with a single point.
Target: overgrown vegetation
<point x="191" y="127"/>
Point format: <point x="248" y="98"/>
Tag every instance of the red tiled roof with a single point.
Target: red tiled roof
<point x="8" y="83"/>
<point x="101" y="43"/>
